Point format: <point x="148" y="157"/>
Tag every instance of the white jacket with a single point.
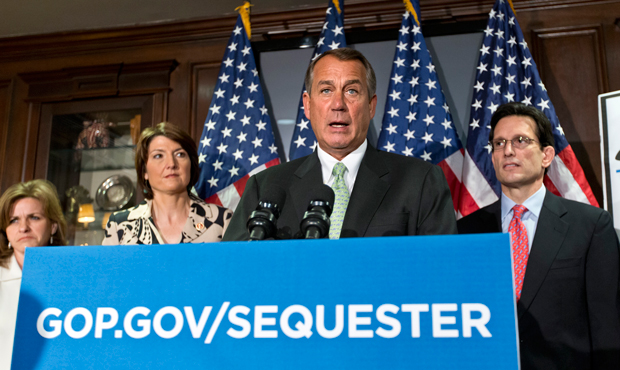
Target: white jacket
<point x="10" y="282"/>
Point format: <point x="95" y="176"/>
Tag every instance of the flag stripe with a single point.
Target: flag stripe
<point x="550" y="186"/>
<point x="566" y="185"/>
<point x="453" y="182"/>
<point x="467" y="204"/>
<point x="230" y="196"/>
<point x="214" y="199"/>
<point x="240" y="184"/>
<point x="455" y="161"/>
<point x="481" y="192"/>
<point x="570" y="161"/>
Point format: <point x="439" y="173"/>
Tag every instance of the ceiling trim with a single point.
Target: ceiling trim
<point x="361" y="14"/>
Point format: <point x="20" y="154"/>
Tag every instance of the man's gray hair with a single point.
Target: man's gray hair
<point x="345" y="54"/>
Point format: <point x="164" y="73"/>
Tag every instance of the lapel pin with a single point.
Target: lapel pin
<point x="200" y="226"/>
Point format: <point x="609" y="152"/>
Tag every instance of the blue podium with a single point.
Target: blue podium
<point x="436" y="302"/>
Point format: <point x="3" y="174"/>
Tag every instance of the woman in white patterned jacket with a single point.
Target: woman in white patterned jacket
<point x="167" y="168"/>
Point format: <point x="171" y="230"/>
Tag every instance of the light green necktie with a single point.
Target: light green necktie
<point x="341" y="201"/>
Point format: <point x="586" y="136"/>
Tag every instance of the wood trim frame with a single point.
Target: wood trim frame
<point x="361" y="14"/>
<point x="595" y="31"/>
<point x="148" y="102"/>
<point x="106" y="81"/>
<point x="195" y="127"/>
<point x="6" y="85"/>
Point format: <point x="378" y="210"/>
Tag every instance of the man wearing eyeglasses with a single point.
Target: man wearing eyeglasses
<point x="565" y="254"/>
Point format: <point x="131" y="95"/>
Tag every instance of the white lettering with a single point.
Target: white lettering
<point x="480" y="323"/>
<point x="178" y="322"/>
<point x="197" y="328"/>
<point x="260" y="321"/>
<point x="88" y="322"/>
<point x="234" y="319"/>
<point x="320" y="322"/>
<point x="142" y="323"/>
<point x="56" y="325"/>
<point x="439" y="320"/>
<point x="415" y="310"/>
<point x="387" y="320"/>
<point x="354" y="321"/>
<point x="100" y="324"/>
<point x="304" y="329"/>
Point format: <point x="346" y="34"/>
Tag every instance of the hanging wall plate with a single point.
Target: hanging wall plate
<point x="115" y="193"/>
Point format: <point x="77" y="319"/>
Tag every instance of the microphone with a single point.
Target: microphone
<point x="262" y="222"/>
<point x="315" y="224"/>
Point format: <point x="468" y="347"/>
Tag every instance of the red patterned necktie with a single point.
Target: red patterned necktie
<point x="519" y="242"/>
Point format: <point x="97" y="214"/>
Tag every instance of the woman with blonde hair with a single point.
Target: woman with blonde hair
<point x="30" y="216"/>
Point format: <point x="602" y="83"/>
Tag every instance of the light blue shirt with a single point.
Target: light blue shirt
<point x="530" y="217"/>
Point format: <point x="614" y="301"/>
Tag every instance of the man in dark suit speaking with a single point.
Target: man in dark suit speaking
<point x="376" y="193"/>
<point x="565" y="253"/>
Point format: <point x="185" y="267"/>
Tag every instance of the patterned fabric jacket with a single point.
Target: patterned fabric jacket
<point x="206" y="223"/>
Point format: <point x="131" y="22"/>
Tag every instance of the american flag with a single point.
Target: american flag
<point x="237" y="140"/>
<point x="303" y="141"/>
<point x="417" y="120"/>
<point x="507" y="73"/>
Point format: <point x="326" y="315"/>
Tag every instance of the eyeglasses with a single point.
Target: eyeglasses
<point x="518" y="142"/>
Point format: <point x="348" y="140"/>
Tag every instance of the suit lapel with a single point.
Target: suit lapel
<point x="368" y="192"/>
<point x="550" y="233"/>
<point x="308" y="177"/>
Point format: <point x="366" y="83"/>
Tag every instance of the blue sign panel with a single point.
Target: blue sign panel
<point x="440" y="302"/>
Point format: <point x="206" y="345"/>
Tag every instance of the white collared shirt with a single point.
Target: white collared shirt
<point x="351" y="161"/>
<point x="530" y="218"/>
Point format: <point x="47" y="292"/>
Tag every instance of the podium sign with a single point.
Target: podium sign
<point x="609" y="125"/>
<point x="436" y="302"/>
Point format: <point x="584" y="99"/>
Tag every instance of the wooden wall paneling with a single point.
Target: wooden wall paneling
<point x="72" y="83"/>
<point x="6" y="92"/>
<point x="203" y="80"/>
<point x="31" y="141"/>
<point x="50" y="109"/>
<point x="572" y="64"/>
<point x="612" y="50"/>
<point x="89" y="89"/>
<point x="15" y="150"/>
<point x="368" y="14"/>
<point x="43" y="123"/>
<point x="159" y="112"/>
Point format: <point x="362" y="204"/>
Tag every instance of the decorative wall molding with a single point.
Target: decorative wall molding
<point x="361" y="14"/>
<point x="99" y="81"/>
<point x="6" y="93"/>
<point x="203" y="78"/>
<point x="592" y="32"/>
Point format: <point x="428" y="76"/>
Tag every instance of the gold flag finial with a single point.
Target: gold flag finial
<point x="337" y="5"/>
<point x="244" y="10"/>
<point x="511" y="6"/>
<point x="411" y="10"/>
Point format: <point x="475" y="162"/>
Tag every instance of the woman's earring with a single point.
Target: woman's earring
<point x="146" y="183"/>
<point x="52" y="240"/>
<point x="10" y="245"/>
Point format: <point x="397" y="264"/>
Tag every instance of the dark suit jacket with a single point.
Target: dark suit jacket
<point x="393" y="195"/>
<point x="569" y="308"/>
